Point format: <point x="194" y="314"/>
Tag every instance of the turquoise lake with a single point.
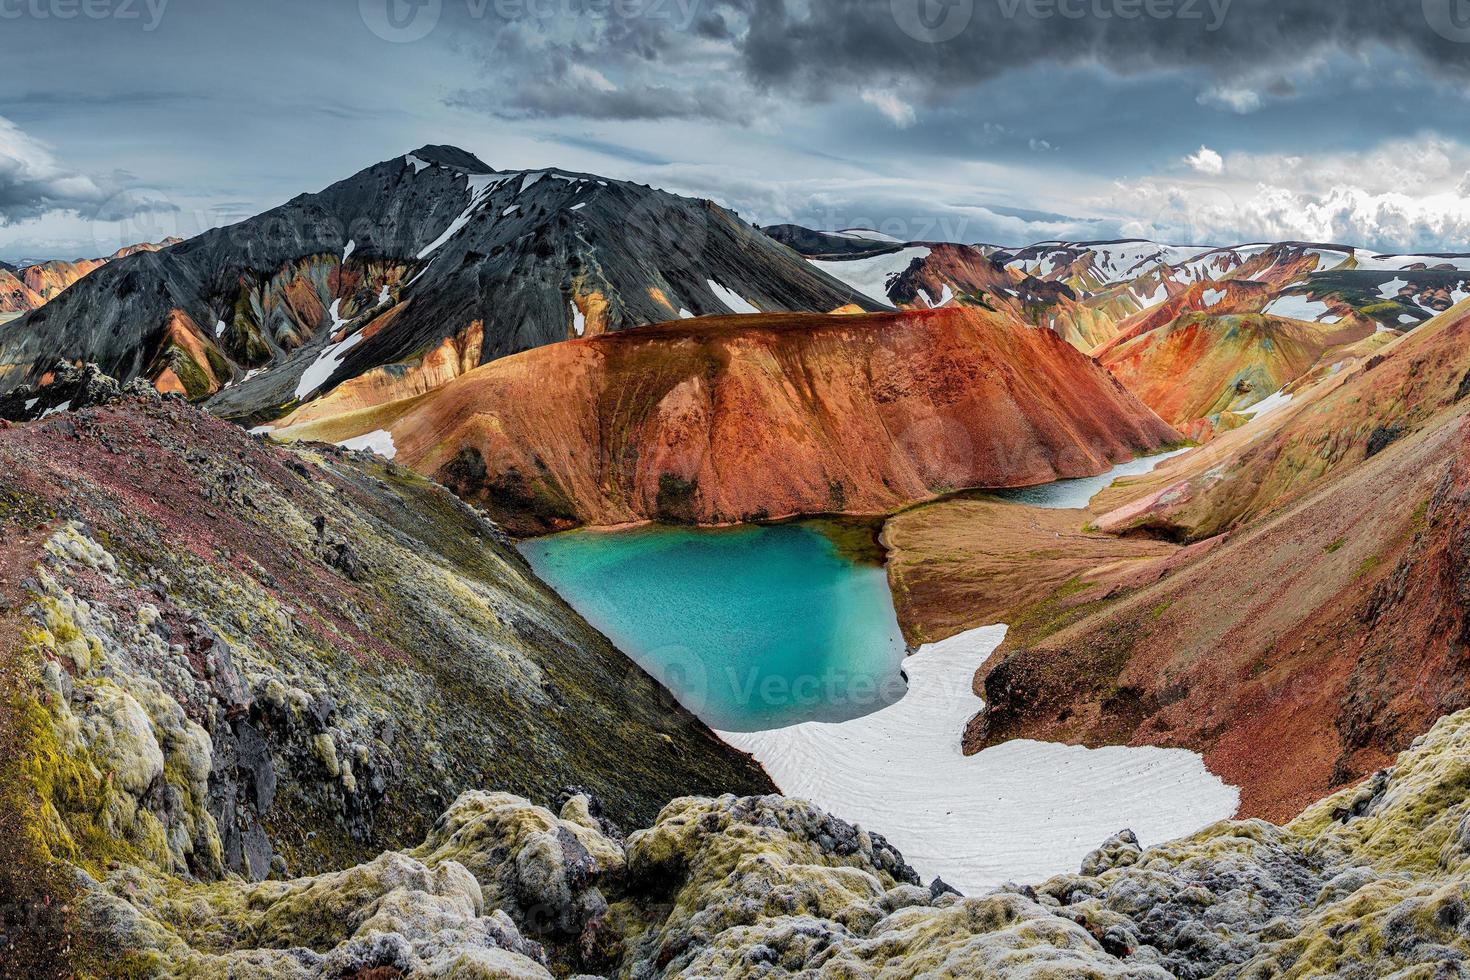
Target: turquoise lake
<point x="751" y="628"/>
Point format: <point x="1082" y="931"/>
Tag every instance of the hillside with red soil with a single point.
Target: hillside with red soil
<point x="1201" y="365"/>
<point x="1318" y="625"/>
<point x="737" y="418"/>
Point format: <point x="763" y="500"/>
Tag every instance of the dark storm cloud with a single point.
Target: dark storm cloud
<point x="933" y="50"/>
<point x="585" y="98"/>
<point x="943" y="45"/>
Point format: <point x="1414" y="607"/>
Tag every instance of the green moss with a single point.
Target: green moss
<point x="1334" y="546"/>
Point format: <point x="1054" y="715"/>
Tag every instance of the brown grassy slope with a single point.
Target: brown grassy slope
<point x="958" y="564"/>
<point x="732" y="418"/>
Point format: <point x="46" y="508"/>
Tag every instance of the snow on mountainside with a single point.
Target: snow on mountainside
<point x="433" y="261"/>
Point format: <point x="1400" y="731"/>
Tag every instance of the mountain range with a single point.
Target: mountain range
<point x="280" y="696"/>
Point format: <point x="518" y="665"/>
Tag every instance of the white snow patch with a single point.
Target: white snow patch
<point x="528" y="180"/>
<point x="685" y="314"/>
<point x="379" y="441"/>
<point x="1390" y="289"/>
<point x="579" y="320"/>
<point x="946" y="294"/>
<point x="1272" y="402"/>
<point x="1213" y="296"/>
<point x="1019" y="811"/>
<point x="31" y="403"/>
<point x="1299" y="306"/>
<point x="384" y="296"/>
<point x="578" y="207"/>
<point x="510" y="210"/>
<point x="416" y="163"/>
<point x="321" y="369"/>
<point x="219" y="328"/>
<point x="351" y="247"/>
<point x="732" y="299"/>
<point x="479" y="187"/>
<point x="261" y="430"/>
<point x="871" y="276"/>
<point x="1408" y="318"/>
<point x="58" y="408"/>
<point x="868" y="235"/>
<point x="1397" y="263"/>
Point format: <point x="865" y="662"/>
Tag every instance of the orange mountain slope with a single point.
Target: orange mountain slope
<point x="1410" y="384"/>
<point x="1319" y="623"/>
<point x="1201" y="365"/>
<point x="735" y="418"/>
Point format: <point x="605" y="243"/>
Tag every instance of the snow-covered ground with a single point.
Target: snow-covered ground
<point x="479" y="187"/>
<point x="732" y="299"/>
<point x="1266" y="406"/>
<point x="1300" y="307"/>
<point x="317" y="373"/>
<point x="1394" y="263"/>
<point x="379" y="441"/>
<point x="867" y="235"/>
<point x="870" y="276"/>
<point x="1021" y="811"/>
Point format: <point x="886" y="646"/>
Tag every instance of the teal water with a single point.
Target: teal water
<point x="751" y="628"/>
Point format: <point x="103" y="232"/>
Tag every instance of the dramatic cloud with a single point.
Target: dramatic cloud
<point x="946" y="46"/>
<point x="33" y="183"/>
<point x="1400" y="196"/>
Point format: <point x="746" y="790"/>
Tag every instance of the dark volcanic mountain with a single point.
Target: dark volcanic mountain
<point x="429" y="251"/>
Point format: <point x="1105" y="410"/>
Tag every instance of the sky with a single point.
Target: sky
<point x="997" y="121"/>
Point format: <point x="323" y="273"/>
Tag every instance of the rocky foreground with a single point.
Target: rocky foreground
<point x="1369" y="883"/>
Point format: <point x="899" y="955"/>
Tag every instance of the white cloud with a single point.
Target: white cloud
<point x="899" y="112"/>
<point x="1403" y="195"/>
<point x="1206" y="161"/>
<point x="1237" y="99"/>
<point x="33" y="183"/>
<point x="590" y="78"/>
